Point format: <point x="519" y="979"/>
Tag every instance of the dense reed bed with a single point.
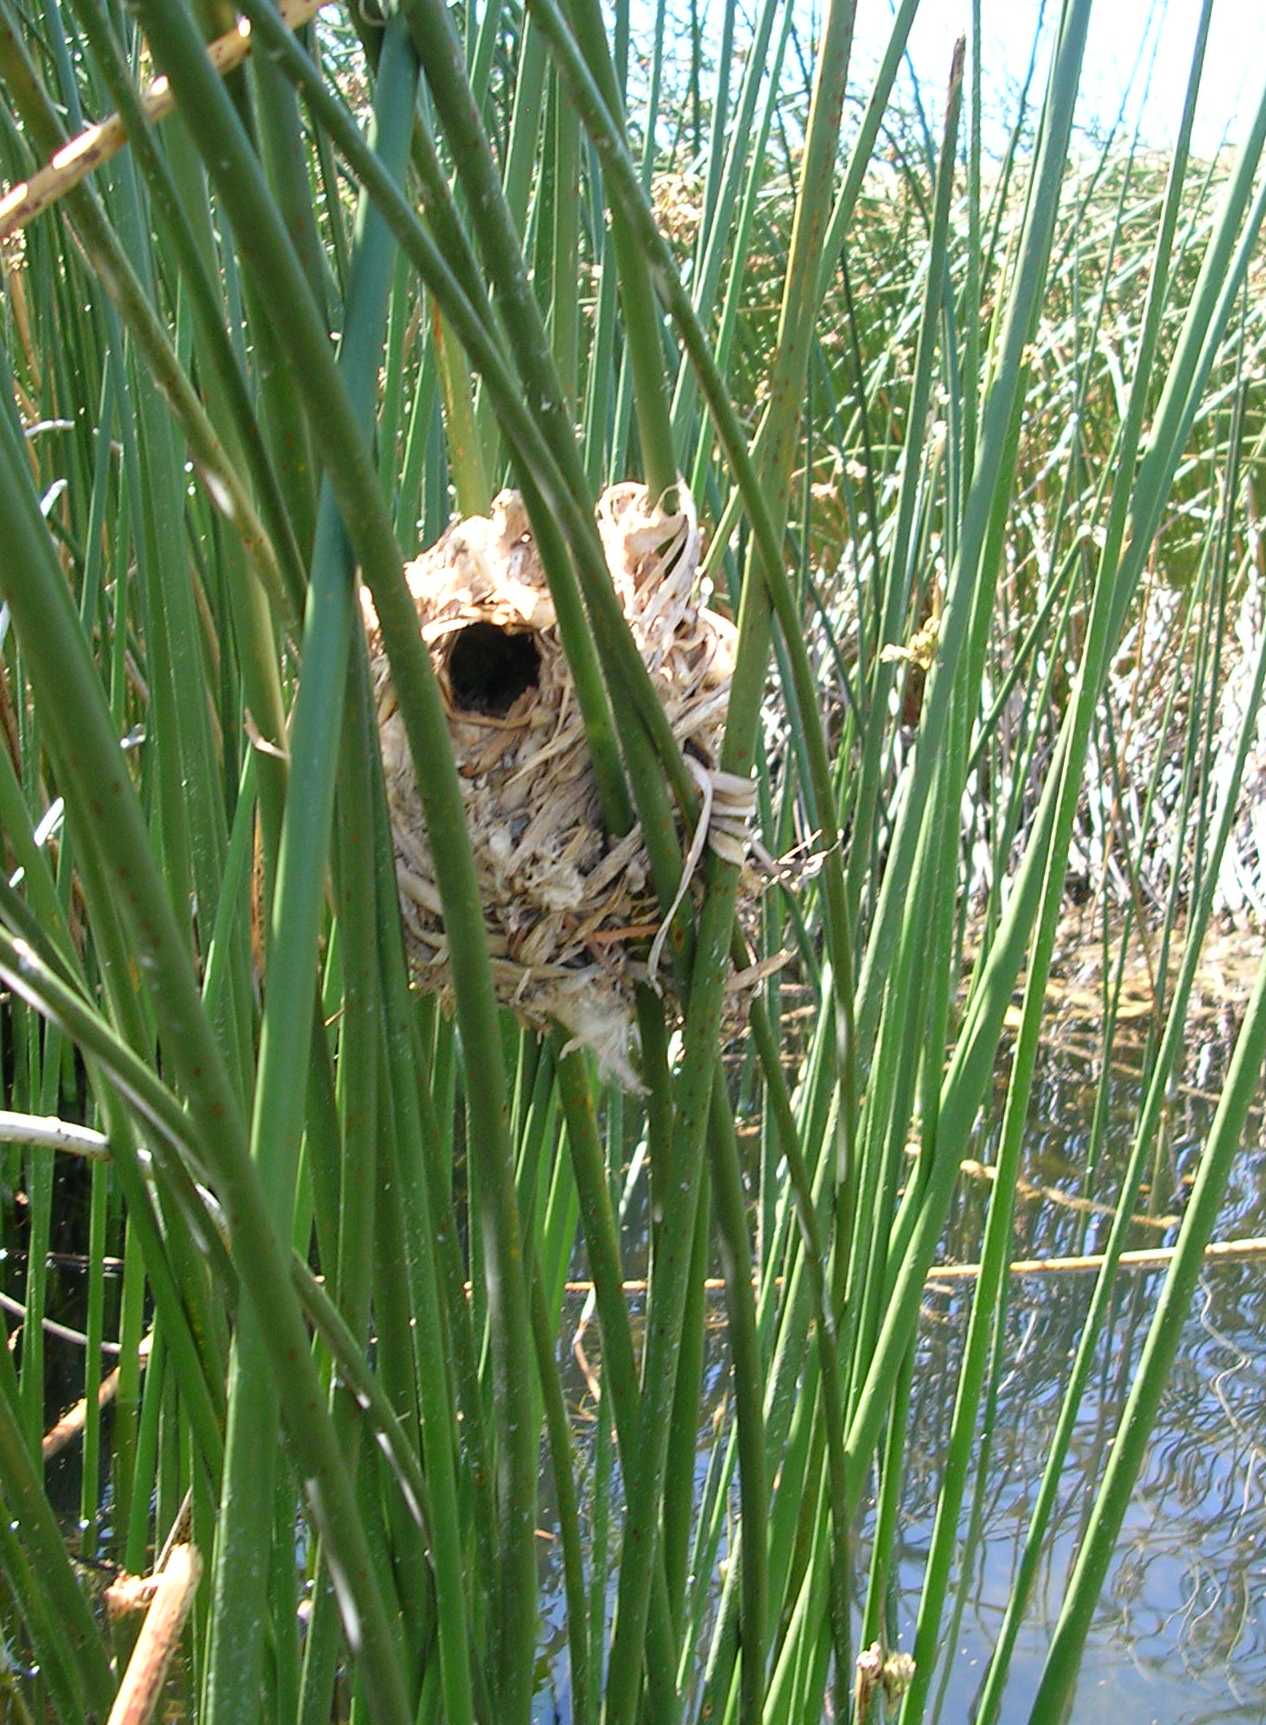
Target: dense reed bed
<point x="976" y="446"/>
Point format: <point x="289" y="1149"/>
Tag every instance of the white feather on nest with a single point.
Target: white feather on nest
<point x="568" y="913"/>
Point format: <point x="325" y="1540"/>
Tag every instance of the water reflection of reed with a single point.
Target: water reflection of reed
<point x="1180" y="1635"/>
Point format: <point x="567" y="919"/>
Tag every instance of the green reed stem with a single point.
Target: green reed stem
<point x="54" y="1601"/>
<point x="1164" y="1337"/>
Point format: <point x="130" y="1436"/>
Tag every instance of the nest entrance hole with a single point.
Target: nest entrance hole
<point x="489" y="668"/>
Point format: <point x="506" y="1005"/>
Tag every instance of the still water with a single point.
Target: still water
<point x="1180" y="1633"/>
<point x="1179" y="1637"/>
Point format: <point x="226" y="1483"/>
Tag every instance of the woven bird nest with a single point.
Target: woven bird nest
<point x="568" y="910"/>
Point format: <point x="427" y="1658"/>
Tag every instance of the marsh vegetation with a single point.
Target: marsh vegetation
<point x="479" y="1375"/>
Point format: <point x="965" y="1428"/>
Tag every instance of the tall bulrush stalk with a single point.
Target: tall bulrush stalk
<point x="254" y="358"/>
<point x="315" y="728"/>
<point x="264" y="246"/>
<point x="90" y="766"/>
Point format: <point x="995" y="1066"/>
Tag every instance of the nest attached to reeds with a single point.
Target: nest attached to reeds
<point x="569" y="912"/>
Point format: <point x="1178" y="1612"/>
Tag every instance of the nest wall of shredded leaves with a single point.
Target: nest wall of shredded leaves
<point x="568" y="910"/>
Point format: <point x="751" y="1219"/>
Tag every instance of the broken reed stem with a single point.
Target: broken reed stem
<point x="50" y="1326"/>
<point x="50" y="1133"/>
<point x="1152" y="1258"/>
<point x="1025" y="1189"/>
<point x="172" y="1595"/>
<point x="70" y="1426"/>
<point x="97" y="144"/>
